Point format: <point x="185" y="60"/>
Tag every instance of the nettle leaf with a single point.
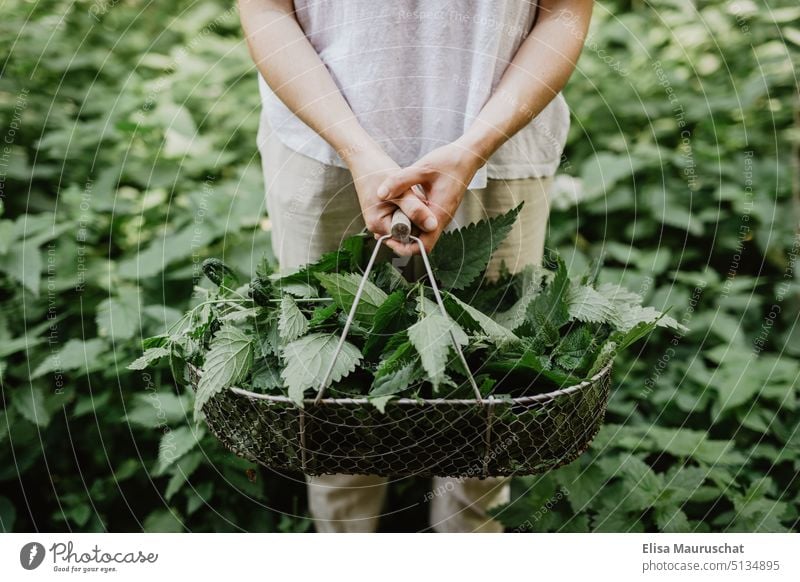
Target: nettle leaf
<point x="322" y="314"/>
<point x="604" y="356"/>
<point x="148" y="357"/>
<point x="388" y="318"/>
<point x="227" y="362"/>
<point x="549" y="310"/>
<point x="333" y="262"/>
<point x="586" y="304"/>
<point x="388" y="278"/>
<point x="631" y="317"/>
<point x="574" y="348"/>
<point x="396" y="381"/>
<point x="343" y="288"/>
<point x="462" y="254"/>
<point x="431" y="337"/>
<point x="118" y="317"/>
<point x="291" y="321"/>
<point x="471" y="318"/>
<point x="530" y="283"/>
<point x="619" y="297"/>
<point x="308" y="358"/>
<point x="266" y="377"/>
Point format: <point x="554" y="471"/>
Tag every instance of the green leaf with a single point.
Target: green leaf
<point x="148" y="358"/>
<point x="388" y="318"/>
<point x="175" y="444"/>
<point x="308" y="359"/>
<point x="431" y="337"/>
<point x="267" y="378"/>
<point x="29" y="402"/>
<point x="548" y="311"/>
<point x="394" y="382"/>
<point x="604" y="356"/>
<point x="586" y="304"/>
<point x="530" y="283"/>
<point x="635" y="315"/>
<point x="291" y="322"/>
<point x="157" y="409"/>
<point x="338" y="261"/>
<point x="227" y="362"/>
<point x="23" y="263"/>
<point x="181" y="472"/>
<point x="671" y="519"/>
<point x="461" y="255"/>
<point x="343" y="288"/>
<point x="74" y="355"/>
<point x="574" y="348"/>
<point x="475" y="319"/>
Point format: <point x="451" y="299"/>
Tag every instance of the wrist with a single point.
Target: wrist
<point x="482" y="141"/>
<point x="359" y="150"/>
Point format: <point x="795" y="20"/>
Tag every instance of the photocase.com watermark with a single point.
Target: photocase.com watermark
<point x="65" y="558"/>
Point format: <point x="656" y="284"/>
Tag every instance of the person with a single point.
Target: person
<point x="449" y="110"/>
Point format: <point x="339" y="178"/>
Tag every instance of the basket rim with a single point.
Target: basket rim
<point x="521" y="400"/>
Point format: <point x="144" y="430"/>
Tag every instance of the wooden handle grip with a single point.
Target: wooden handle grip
<point x="401" y="226"/>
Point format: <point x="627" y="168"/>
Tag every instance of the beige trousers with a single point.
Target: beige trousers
<point x="312" y="208"/>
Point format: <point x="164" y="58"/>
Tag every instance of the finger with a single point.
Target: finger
<point x="402" y="249"/>
<point x="397" y="184"/>
<point x="418" y="212"/>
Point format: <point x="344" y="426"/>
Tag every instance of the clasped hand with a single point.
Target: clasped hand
<point x="429" y="191"/>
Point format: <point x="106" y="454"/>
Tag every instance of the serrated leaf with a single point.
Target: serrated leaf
<point x="573" y="349"/>
<point x="291" y="321"/>
<point x="394" y="382"/>
<point x="227" y="362"/>
<point x="74" y="355"/>
<point x="671" y="519"/>
<point x="586" y="304"/>
<point x="267" y="378"/>
<point x="30" y="403"/>
<point x="175" y="444"/>
<point x="149" y="356"/>
<point x="322" y="314"/>
<point x="23" y="262"/>
<point x="462" y="254"/>
<point x="493" y="330"/>
<point x="118" y="317"/>
<point x="386" y="319"/>
<point x="530" y="283"/>
<point x="604" y="356"/>
<point x="549" y="311"/>
<point x="431" y="337"/>
<point x="307" y="361"/>
<point x="619" y="297"/>
<point x="343" y="288"/>
<point x="629" y="318"/>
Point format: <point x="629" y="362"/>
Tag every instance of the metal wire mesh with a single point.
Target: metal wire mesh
<point x="447" y="438"/>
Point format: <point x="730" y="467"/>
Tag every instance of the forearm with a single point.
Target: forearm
<point x="296" y="74"/>
<point x="539" y="70"/>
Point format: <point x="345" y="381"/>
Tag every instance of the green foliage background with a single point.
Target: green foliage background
<point x="128" y="156"/>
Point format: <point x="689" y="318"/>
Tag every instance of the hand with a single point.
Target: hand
<point x="370" y="169"/>
<point x="444" y="174"/>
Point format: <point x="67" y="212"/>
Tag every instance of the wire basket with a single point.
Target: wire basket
<point x="446" y="438"/>
<point x="478" y="437"/>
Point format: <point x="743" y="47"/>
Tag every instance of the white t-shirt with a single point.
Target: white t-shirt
<point x="416" y="74"/>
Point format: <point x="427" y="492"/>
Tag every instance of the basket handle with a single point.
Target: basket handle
<point x="400" y="231"/>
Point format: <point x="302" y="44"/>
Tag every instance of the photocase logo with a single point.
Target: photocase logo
<point x="31" y="555"/>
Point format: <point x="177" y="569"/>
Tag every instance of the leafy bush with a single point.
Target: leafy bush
<point x="129" y="153"/>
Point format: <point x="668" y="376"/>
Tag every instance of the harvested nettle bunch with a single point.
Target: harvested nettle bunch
<point x="525" y="333"/>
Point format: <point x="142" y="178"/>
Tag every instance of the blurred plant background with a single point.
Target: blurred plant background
<point x="128" y="155"/>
